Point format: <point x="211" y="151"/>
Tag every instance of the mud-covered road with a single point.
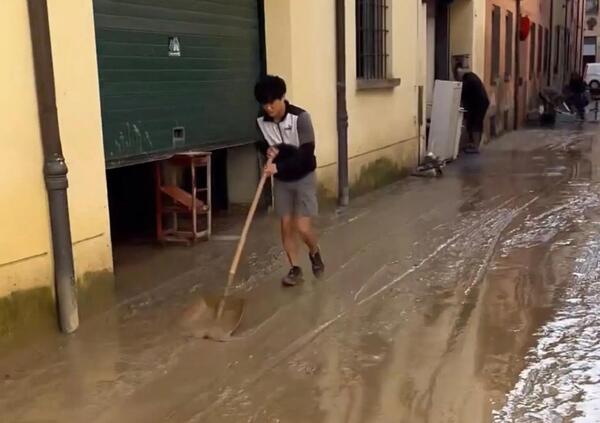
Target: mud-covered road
<point x="470" y="298"/>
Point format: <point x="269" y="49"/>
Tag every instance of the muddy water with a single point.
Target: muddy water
<point x="472" y="298"/>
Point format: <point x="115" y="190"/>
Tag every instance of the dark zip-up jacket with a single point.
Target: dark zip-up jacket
<point x="294" y="137"/>
<point x="474" y="96"/>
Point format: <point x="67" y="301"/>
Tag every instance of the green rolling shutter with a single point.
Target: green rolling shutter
<point x="176" y="75"/>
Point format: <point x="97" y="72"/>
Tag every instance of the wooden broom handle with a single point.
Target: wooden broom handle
<point x="242" y="242"/>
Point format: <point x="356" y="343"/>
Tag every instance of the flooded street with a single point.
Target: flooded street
<point x="470" y="298"/>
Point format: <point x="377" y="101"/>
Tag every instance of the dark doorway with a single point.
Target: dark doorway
<point x="442" y="41"/>
<point x="131" y="198"/>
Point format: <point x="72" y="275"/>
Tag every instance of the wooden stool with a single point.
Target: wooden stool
<point x="174" y="201"/>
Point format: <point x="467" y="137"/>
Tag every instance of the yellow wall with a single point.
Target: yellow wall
<point x="25" y="245"/>
<point x="479" y="36"/>
<point x="300" y="37"/>
<point x="461" y="28"/>
<point x="423" y="64"/>
<point x="381" y="120"/>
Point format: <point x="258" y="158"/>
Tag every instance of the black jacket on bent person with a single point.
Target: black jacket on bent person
<point x="475" y="99"/>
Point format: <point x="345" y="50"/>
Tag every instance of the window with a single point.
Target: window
<point x="532" y="50"/>
<point x="591" y="7"/>
<point x="589" y="46"/>
<point x="495" y="45"/>
<point x="546" y="49"/>
<point x="539" y="49"/>
<point x="508" y="48"/>
<point x="371" y="39"/>
<point x="589" y="49"/>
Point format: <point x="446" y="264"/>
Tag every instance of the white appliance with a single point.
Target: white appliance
<point x="446" y="120"/>
<point x="592" y="75"/>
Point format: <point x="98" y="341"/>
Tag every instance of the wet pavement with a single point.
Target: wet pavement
<point x="469" y="298"/>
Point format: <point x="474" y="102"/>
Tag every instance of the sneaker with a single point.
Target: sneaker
<point x="293" y="277"/>
<point x="318" y="267"/>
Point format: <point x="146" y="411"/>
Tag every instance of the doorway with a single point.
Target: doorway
<point x="438" y="53"/>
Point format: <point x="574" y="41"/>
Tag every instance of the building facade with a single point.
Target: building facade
<point x="516" y="60"/>
<point x="26" y="259"/>
<point x="517" y="47"/>
<point x="382" y="85"/>
<point x="591" y="31"/>
<point x="139" y="81"/>
<point x="567" y="45"/>
<point x="529" y="45"/>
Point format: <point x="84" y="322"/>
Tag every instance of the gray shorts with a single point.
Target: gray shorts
<point x="297" y="198"/>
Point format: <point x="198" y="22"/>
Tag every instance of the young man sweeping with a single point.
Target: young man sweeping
<point x="289" y="141"/>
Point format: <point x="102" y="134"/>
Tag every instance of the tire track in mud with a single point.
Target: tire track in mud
<point x="495" y="227"/>
<point x="356" y="255"/>
<point x="492" y="222"/>
<point x="549" y="225"/>
<point x="561" y="380"/>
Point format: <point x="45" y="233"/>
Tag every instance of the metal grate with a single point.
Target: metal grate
<point x="371" y="39"/>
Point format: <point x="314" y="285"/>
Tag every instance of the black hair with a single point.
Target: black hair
<point x="269" y="89"/>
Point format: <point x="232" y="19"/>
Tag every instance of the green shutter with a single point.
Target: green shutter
<point x="147" y="90"/>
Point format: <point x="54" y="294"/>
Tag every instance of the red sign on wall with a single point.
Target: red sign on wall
<point x="524" y="28"/>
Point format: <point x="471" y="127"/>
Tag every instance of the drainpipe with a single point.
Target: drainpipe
<point x="517" y="63"/>
<point x="580" y="23"/>
<point x="582" y="35"/>
<point x="578" y="50"/>
<point x="55" y="168"/>
<point x="578" y="55"/>
<point x="581" y="41"/>
<point x="577" y="14"/>
<point x="342" y="111"/>
<point x="565" y="46"/>
<point x="549" y="47"/>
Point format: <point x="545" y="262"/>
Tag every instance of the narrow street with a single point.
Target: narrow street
<point x="469" y="298"/>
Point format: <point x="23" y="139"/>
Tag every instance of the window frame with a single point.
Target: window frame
<point x="593" y="38"/>
<point x="495" y="45"/>
<point x="373" y="57"/>
<point x="509" y="24"/>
